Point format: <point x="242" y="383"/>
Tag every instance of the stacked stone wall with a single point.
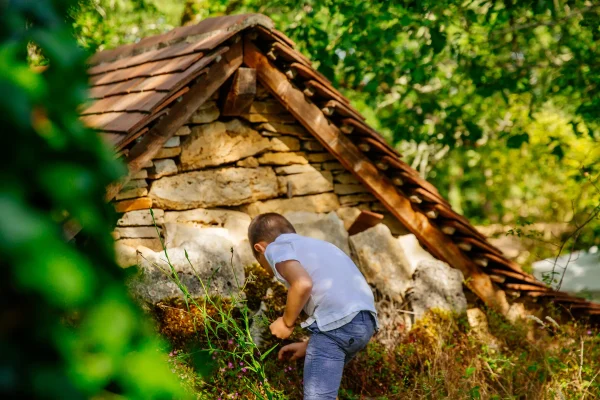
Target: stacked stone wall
<point x="260" y="162"/>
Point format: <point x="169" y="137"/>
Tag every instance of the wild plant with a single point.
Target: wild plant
<point x="228" y="321"/>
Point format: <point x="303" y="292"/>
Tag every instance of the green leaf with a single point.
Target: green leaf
<point x="438" y="39"/>
<point x="515" y="142"/>
<point x="558" y="151"/>
<point x="265" y="354"/>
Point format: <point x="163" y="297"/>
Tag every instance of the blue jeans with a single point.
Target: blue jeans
<point x="328" y="352"/>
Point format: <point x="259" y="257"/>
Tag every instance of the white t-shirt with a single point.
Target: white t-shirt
<point x="339" y="290"/>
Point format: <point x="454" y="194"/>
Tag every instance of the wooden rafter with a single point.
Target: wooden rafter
<point x="241" y="94"/>
<point x="365" y="220"/>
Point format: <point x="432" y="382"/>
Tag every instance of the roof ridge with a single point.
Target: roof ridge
<point x="190" y="33"/>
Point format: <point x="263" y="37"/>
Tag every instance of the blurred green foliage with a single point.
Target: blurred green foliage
<point x="495" y="102"/>
<point x="68" y="329"/>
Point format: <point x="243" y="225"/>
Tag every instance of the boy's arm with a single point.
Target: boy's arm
<point x="298" y="294"/>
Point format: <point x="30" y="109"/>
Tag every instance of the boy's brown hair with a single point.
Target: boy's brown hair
<point x="267" y="227"/>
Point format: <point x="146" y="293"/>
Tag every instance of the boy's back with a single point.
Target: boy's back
<point x="339" y="289"/>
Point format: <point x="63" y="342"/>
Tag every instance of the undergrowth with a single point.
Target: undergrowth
<point x="216" y="353"/>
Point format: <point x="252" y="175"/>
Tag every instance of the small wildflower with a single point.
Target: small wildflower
<point x="589" y="332"/>
<point x="241" y="364"/>
<point x="230" y="365"/>
<point x="244" y="370"/>
<point x="171" y="354"/>
<point x="230" y="341"/>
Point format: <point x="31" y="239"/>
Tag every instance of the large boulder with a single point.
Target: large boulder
<point x="235" y="222"/>
<point x="327" y="227"/>
<point x="203" y="261"/>
<point x="436" y="285"/>
<point x="382" y="261"/>
<point x="413" y="251"/>
<point x="215" y="187"/>
<point x="194" y="225"/>
<point x="221" y="143"/>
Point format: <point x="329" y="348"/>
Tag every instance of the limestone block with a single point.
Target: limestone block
<point x="382" y="261"/>
<point x="346" y="178"/>
<point x="217" y="187"/>
<point x="320" y="203"/>
<point x="348" y="215"/>
<point x="135" y="232"/>
<point x="436" y="285"/>
<point x="281" y="118"/>
<point x="141" y="203"/>
<point x="413" y="250"/>
<point x="480" y="327"/>
<point x="181" y="234"/>
<point x="221" y="143"/>
<point x="395" y="226"/>
<point x="312" y="145"/>
<point x="210" y="258"/>
<point x="125" y="256"/>
<point x="148" y="164"/>
<point x="250" y="162"/>
<point x="267" y="107"/>
<point x="378" y="207"/>
<point x="141" y="174"/>
<point x="333" y="166"/>
<point x="235" y="222"/>
<point x="308" y="183"/>
<point x="131" y="193"/>
<point x="173" y="142"/>
<point x="282" y="159"/>
<point x="354" y="199"/>
<point x="167" y="152"/>
<point x="516" y="312"/>
<point x="295" y="169"/>
<point x="344" y="188"/>
<point x="141" y="218"/>
<point x="285" y="129"/>
<point x="320" y="157"/>
<point x="328" y="227"/>
<point x="208" y="112"/>
<point x="135" y="183"/>
<point x="183" y="131"/>
<point x="285" y="143"/>
<point x="153" y="244"/>
<point x="163" y="168"/>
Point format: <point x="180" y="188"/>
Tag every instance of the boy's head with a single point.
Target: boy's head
<point x="264" y="229"/>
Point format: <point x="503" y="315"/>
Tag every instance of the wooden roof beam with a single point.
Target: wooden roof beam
<point x="364" y="221"/>
<point x="241" y="94"/>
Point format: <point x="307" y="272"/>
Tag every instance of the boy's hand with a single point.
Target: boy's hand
<point x="298" y="350"/>
<point x="280" y="329"/>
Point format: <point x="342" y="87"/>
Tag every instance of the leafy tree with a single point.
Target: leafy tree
<point x="68" y="329"/>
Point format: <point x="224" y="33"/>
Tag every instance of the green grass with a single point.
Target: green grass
<point x="215" y="356"/>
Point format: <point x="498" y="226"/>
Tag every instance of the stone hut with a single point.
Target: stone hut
<point x="223" y="120"/>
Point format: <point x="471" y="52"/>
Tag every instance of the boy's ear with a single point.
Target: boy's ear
<point x="260" y="247"/>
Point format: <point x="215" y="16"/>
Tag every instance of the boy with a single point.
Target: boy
<point x="322" y="280"/>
